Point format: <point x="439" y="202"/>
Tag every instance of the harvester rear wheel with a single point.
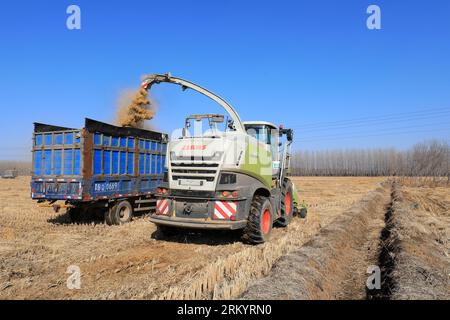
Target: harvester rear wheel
<point x="259" y="224"/>
<point x="119" y="213"/>
<point x="287" y="204"/>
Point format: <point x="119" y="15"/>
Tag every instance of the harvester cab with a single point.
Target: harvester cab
<point x="237" y="178"/>
<point x="279" y="142"/>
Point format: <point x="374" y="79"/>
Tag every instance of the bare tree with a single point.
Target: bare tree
<point x="427" y="159"/>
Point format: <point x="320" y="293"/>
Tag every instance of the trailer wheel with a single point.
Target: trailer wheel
<point x="108" y="220"/>
<point x="259" y="225"/>
<point x="120" y="213"/>
<point x="287" y="204"/>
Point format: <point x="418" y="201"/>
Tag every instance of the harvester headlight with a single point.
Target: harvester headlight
<point x="227" y="178"/>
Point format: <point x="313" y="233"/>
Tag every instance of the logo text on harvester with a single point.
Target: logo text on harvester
<point x="226" y="309"/>
<point x="194" y="147"/>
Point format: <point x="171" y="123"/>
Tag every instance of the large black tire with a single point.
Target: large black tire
<point x="108" y="220"/>
<point x="119" y="213"/>
<point x="259" y="222"/>
<point x="287" y="204"/>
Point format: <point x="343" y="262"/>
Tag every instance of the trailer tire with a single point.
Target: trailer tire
<point x="108" y="220"/>
<point x="260" y="220"/>
<point x="287" y="204"/>
<point x="120" y="213"/>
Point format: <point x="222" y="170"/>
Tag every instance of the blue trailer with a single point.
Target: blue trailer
<point x="99" y="169"/>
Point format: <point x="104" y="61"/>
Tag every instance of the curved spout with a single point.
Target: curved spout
<point x="149" y="80"/>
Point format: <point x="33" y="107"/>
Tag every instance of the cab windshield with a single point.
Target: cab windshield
<point x="205" y="125"/>
<point x="261" y="133"/>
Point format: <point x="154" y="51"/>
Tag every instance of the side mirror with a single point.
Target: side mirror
<point x="290" y="135"/>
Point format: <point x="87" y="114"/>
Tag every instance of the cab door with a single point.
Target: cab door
<point x="269" y="136"/>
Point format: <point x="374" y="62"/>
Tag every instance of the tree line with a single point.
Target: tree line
<point x="23" y="168"/>
<point x="427" y="159"/>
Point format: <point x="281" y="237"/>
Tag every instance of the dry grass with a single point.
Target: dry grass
<point x="421" y="231"/>
<point x="412" y="248"/>
<point x="430" y="182"/>
<point x="333" y="264"/>
<point x="228" y="277"/>
<point x="126" y="262"/>
<point x="134" y="108"/>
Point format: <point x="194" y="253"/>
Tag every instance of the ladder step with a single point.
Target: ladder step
<point x="145" y="201"/>
<point x="144" y="209"/>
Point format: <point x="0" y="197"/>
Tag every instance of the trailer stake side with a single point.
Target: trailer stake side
<point x="99" y="169"/>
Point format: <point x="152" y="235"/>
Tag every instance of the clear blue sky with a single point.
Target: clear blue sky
<point x="312" y="65"/>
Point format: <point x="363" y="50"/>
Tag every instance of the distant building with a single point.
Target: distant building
<point x="10" y="174"/>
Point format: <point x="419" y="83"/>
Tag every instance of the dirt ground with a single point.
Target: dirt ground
<point x="37" y="246"/>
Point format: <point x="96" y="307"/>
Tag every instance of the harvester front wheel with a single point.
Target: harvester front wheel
<point x="287" y="204"/>
<point x="259" y="224"/>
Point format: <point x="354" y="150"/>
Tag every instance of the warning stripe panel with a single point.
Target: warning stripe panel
<point x="231" y="206"/>
<point x="224" y="209"/>
<point x="162" y="206"/>
<point x="219" y="213"/>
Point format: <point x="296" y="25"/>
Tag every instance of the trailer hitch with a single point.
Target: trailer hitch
<point x="56" y="207"/>
<point x="187" y="208"/>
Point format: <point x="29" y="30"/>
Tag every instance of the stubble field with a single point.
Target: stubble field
<point x="347" y="223"/>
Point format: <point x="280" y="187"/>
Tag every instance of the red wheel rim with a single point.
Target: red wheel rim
<point x="287" y="203"/>
<point x="266" y="221"/>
